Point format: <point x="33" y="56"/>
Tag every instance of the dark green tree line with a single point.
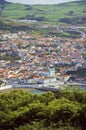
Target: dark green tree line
<point x="64" y="109"/>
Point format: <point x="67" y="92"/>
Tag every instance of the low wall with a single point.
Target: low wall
<point x="6" y="87"/>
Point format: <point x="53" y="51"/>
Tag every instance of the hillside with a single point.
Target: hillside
<point x="2" y="5"/>
<point x="70" y="13"/>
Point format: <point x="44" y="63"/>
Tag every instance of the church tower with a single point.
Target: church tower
<point x="51" y="71"/>
<point x="84" y="57"/>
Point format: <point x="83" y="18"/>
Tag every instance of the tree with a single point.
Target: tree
<point x="71" y="13"/>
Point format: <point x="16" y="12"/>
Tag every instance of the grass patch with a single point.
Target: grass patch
<point x="49" y="13"/>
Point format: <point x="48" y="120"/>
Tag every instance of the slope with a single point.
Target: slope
<point x="70" y="13"/>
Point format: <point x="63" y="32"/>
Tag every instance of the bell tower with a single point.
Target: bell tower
<point x="84" y="57"/>
<point x="51" y="71"/>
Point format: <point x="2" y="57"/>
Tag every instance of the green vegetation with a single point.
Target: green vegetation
<point x="83" y="54"/>
<point x="66" y="34"/>
<point x="14" y="27"/>
<point x="37" y="30"/>
<point x="14" y="11"/>
<point x="70" y="13"/>
<point x="62" y="110"/>
<point x="66" y="13"/>
<point x="9" y="57"/>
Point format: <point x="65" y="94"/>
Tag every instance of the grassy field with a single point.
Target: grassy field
<point x="47" y="13"/>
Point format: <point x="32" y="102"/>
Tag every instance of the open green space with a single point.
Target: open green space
<point x="70" y="13"/>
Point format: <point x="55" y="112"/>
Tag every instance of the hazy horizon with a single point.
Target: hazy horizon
<point x="40" y="1"/>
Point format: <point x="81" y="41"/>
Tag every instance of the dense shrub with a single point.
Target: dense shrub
<point x="64" y="109"/>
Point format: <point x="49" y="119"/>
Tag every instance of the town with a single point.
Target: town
<point x="50" y="61"/>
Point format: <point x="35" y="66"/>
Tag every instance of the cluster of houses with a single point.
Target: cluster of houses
<point x="42" y="60"/>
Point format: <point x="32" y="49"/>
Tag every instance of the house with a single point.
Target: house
<point x="84" y="65"/>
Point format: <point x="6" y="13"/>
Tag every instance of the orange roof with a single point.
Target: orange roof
<point x="13" y="76"/>
<point x="2" y="76"/>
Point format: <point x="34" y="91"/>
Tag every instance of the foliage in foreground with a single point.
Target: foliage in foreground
<point x="62" y="110"/>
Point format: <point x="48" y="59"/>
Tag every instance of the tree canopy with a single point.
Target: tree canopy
<point x="63" y="109"/>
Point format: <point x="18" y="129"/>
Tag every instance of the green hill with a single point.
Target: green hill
<point x="70" y="13"/>
<point x="2" y="5"/>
